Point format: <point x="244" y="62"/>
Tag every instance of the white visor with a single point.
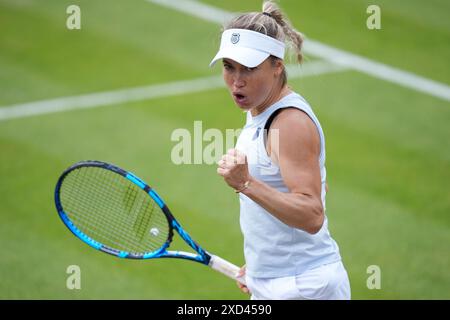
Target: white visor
<point x="249" y="48"/>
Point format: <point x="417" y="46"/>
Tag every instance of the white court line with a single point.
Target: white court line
<point x="341" y="57"/>
<point x="105" y="98"/>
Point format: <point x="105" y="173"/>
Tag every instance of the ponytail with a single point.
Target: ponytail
<point x="292" y="36"/>
<point x="273" y="23"/>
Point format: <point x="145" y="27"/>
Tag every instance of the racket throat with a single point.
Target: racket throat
<point x="183" y="255"/>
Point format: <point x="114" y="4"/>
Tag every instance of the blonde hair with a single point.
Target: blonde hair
<point x="273" y="23"/>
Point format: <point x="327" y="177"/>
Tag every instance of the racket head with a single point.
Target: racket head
<point x="113" y="211"/>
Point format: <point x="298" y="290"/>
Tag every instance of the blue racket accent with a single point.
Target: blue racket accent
<point x="141" y="184"/>
<point x="203" y="257"/>
<point x="157" y="254"/>
<point x="157" y="198"/>
<point x="94" y="244"/>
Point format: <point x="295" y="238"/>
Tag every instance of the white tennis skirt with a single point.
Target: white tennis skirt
<point x="327" y="282"/>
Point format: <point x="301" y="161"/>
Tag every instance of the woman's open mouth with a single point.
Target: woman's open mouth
<point x="239" y="98"/>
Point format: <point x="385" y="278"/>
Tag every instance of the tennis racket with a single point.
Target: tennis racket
<point x="114" y="211"/>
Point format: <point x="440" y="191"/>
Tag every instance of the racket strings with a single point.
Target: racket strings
<point x="89" y="222"/>
<point x="118" y="238"/>
<point x="131" y="205"/>
<point x="113" y="211"/>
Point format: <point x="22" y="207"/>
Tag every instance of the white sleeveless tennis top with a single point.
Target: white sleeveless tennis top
<point x="272" y="248"/>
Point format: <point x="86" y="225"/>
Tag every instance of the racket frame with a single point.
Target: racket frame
<point x="202" y="256"/>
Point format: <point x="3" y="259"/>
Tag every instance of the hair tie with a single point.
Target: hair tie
<point x="267" y="14"/>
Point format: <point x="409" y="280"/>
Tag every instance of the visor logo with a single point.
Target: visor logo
<point x="235" y="38"/>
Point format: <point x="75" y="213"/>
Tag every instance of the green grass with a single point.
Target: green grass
<point x="387" y="149"/>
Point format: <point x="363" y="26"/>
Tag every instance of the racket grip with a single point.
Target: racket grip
<point x="227" y="268"/>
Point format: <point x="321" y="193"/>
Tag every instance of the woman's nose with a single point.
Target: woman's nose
<point x="239" y="81"/>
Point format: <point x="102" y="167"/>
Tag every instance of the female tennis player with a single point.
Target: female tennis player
<point x="277" y="166"/>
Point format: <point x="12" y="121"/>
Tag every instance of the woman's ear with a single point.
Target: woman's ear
<point x="279" y="67"/>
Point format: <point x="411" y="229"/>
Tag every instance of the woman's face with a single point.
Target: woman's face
<point x="253" y="88"/>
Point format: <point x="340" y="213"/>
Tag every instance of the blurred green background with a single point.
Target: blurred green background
<point x="388" y="152"/>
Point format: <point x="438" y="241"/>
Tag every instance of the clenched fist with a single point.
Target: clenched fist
<point x="233" y="167"/>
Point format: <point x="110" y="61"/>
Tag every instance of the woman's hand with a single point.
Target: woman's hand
<point x="233" y="168"/>
<point x="241" y="286"/>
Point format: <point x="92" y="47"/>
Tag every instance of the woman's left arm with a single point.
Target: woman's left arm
<point x="296" y="150"/>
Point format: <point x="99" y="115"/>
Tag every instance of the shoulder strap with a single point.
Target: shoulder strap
<point x="269" y="122"/>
